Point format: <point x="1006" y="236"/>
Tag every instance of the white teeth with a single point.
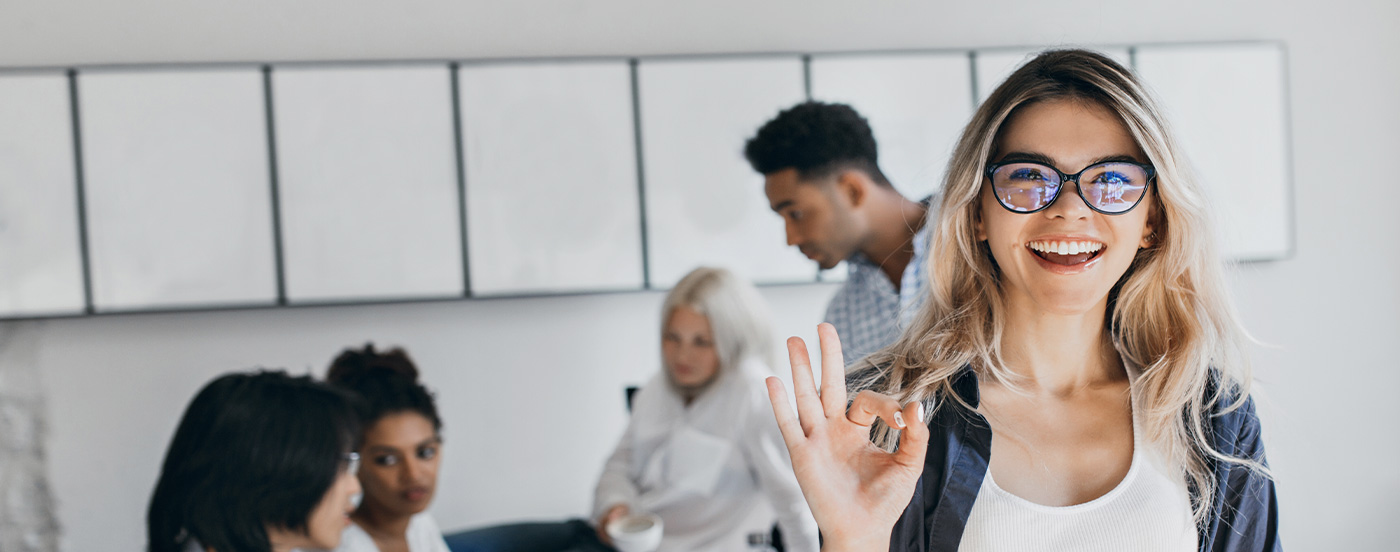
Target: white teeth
<point x="1065" y="247"/>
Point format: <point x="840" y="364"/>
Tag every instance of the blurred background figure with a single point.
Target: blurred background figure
<point x="261" y="462"/>
<point x="821" y="174"/>
<point x="401" y="449"/>
<point x="702" y="449"/>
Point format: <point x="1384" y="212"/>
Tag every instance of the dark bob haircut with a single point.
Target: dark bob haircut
<point x="385" y="383"/>
<point x="253" y="450"/>
<point x="818" y="139"/>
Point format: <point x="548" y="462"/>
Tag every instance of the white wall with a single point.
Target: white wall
<point x="530" y="387"/>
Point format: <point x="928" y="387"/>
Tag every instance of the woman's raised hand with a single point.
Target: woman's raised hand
<point x="856" y="490"/>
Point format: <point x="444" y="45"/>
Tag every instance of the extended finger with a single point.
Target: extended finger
<point x="787" y="421"/>
<point x="833" y="371"/>
<point x="913" y="441"/>
<point x="869" y="405"/>
<point x="809" y="407"/>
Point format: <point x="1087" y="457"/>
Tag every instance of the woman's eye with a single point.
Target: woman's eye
<point x="795" y="215"/>
<point x="1027" y="174"/>
<point x="1112" y="178"/>
<point x="387" y="460"/>
<point x="427" y="453"/>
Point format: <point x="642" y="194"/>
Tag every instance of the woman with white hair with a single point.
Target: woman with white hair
<point x="1076" y="378"/>
<point x="702" y="450"/>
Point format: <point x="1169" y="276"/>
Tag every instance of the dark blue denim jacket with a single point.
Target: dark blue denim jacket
<point x="1243" y="518"/>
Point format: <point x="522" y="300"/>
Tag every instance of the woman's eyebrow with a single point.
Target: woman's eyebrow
<point x="1028" y="156"/>
<point x="1115" y="159"/>
<point x="1043" y="159"/>
<point x="434" y="440"/>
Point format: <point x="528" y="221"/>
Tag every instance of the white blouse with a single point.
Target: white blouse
<point x="423" y="536"/>
<point x="715" y="471"/>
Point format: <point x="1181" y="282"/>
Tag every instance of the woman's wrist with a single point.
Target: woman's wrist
<point x="857" y="543"/>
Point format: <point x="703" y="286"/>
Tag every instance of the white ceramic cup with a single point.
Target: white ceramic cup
<point x="636" y="533"/>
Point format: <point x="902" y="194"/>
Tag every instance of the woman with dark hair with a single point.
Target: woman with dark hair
<point x="401" y="445"/>
<point x="261" y="462"/>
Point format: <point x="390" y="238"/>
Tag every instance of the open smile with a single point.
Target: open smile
<point x="1068" y="256"/>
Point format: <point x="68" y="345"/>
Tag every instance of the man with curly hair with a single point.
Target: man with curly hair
<point x="821" y="175"/>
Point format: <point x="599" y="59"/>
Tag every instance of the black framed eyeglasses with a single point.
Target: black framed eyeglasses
<point x="1111" y="187"/>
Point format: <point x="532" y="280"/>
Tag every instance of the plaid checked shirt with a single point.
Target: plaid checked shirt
<point x="867" y="311"/>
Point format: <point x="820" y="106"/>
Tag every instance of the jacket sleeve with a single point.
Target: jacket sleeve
<point x="1247" y="506"/>
<point x="768" y="458"/>
<point x="615" y="486"/>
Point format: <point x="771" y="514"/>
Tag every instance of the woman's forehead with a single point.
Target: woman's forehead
<point x="1072" y="133"/>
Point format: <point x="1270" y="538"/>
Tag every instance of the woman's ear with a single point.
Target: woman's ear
<point x="977" y="225"/>
<point x="1149" y="230"/>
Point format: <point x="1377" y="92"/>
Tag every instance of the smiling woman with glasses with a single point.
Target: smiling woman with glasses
<point x="260" y="462"/>
<point x="1076" y="377"/>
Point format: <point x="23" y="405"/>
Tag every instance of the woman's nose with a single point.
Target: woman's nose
<point x="1069" y="204"/>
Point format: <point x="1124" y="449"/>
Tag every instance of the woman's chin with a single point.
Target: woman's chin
<point x="1068" y="300"/>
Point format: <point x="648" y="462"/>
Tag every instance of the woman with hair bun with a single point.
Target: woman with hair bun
<point x="401" y="449"/>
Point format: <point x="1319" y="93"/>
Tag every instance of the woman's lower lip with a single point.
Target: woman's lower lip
<point x="415" y="496"/>
<point x="1064" y="269"/>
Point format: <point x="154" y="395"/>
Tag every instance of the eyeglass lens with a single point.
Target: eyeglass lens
<point x="1108" y="187"/>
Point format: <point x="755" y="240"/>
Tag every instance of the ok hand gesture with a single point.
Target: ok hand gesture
<point x="856" y="490"/>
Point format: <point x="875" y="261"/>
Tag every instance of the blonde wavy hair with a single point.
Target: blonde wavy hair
<point x="1169" y="313"/>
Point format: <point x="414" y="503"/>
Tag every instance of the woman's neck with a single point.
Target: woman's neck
<point x="279" y="540"/>
<point x="1059" y="354"/>
<point x="380" y="524"/>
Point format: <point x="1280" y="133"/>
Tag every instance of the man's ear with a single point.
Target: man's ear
<point x="854" y="186"/>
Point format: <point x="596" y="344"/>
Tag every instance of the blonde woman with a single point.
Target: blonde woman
<point x="1075" y="379"/>
<point x="701" y="450"/>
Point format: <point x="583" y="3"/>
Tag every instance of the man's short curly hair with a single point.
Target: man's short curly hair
<point x="817" y="139"/>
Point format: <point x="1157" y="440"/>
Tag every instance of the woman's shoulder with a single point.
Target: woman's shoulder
<point x="355" y="539"/>
<point x="656" y="390"/>
<point x="1233" y="421"/>
<point x="424" y="534"/>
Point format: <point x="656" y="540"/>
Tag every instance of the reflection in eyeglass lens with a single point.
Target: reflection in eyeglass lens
<point x="1113" y="187"/>
<point x="1025" y="186"/>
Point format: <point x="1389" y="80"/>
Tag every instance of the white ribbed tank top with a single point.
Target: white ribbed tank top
<point x="1148" y="511"/>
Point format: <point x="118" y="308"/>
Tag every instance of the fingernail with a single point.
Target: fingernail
<point x="899" y="419"/>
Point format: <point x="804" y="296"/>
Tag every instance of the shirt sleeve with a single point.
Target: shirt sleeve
<point x="615" y="486"/>
<point x="768" y="457"/>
